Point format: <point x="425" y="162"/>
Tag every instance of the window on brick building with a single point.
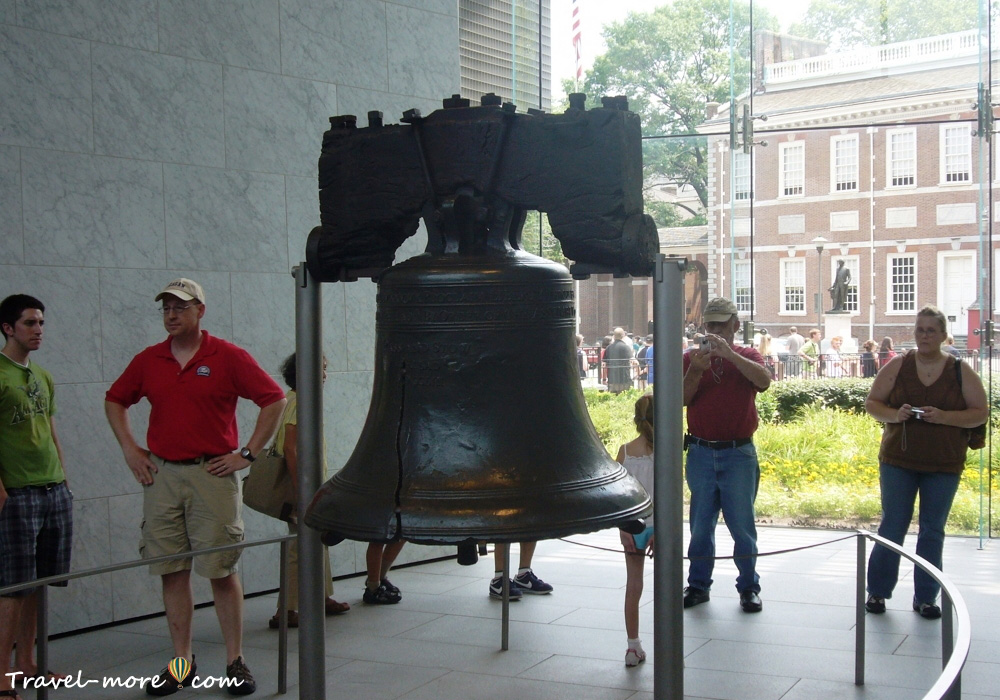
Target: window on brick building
<point x="792" y="174"/>
<point x="901" y="158"/>
<point x="793" y="285"/>
<point x="844" y="163"/>
<point x="902" y="283"/>
<point x="741" y="176"/>
<point x="956" y="153"/>
<point x="743" y="285"/>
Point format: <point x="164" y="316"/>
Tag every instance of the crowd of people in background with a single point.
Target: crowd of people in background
<point x="623" y="360"/>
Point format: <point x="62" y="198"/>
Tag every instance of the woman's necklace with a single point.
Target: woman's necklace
<point x="927" y="370"/>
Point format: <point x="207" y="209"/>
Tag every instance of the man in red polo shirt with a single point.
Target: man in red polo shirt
<point x="721" y="382"/>
<point x="188" y="473"/>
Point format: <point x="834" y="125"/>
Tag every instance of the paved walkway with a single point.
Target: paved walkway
<point x="442" y="641"/>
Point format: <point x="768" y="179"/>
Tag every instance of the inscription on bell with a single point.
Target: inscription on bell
<point x="474" y="295"/>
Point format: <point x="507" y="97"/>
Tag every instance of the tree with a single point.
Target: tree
<point x="846" y="24"/>
<point x="671" y="63"/>
<point x="551" y="247"/>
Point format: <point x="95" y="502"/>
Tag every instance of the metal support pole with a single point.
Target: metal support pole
<point x="859" y="615"/>
<point x="668" y="511"/>
<point x="309" y="390"/>
<point x="283" y="619"/>
<point x="42" y="634"/>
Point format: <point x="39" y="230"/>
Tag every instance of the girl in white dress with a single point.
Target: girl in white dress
<point x="637" y="458"/>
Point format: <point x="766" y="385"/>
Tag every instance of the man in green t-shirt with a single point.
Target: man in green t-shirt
<point x="810" y="353"/>
<point x="36" y="506"/>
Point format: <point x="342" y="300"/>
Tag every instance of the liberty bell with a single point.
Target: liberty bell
<point x="477" y="428"/>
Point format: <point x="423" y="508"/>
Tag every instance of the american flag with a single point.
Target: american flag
<point x="576" y="39"/>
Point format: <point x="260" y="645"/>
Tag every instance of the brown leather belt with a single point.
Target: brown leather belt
<point x="193" y="461"/>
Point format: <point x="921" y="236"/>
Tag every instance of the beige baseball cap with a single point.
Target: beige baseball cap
<point x="185" y="289"/>
<point x="719" y="310"/>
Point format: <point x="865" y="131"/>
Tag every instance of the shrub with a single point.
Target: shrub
<point x="790" y="397"/>
<point x="612" y="416"/>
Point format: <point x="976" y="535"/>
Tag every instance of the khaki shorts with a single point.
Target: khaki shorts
<point x="187" y="509"/>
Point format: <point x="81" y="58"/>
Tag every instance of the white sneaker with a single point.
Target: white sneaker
<point x="634" y="657"/>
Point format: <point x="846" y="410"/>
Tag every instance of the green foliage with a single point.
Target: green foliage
<point x="819" y="466"/>
<point x="670" y="63"/>
<point x="612" y="416"/>
<point x="788" y="399"/>
<point x="846" y="24"/>
<point x="551" y="247"/>
<point x="669" y="215"/>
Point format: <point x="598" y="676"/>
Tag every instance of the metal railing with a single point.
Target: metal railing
<point x="42" y="691"/>
<point x="956" y="626"/>
<point x="955" y="638"/>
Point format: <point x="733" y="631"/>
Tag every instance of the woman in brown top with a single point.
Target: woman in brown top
<point x="927" y="413"/>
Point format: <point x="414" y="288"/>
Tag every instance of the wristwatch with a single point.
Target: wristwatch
<point x="246" y="454"/>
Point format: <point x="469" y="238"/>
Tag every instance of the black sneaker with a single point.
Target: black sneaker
<point x="529" y="583"/>
<point x="381" y="596"/>
<point x="496" y="589"/>
<point x="244" y="683"/>
<point x="166" y="684"/>
<point x="750" y="601"/>
<point x="695" y="596"/>
<point x="928" y="611"/>
<point x="389" y="587"/>
<point x="875" y="604"/>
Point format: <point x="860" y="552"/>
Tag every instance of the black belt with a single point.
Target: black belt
<point x="716" y="444"/>
<point x="42" y="487"/>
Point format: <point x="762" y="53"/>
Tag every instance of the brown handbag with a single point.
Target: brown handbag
<point x="268" y="487"/>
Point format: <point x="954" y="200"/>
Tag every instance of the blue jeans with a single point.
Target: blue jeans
<point x="899" y="492"/>
<point x="723" y="480"/>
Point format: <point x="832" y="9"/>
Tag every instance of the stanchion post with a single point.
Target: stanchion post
<point x="947" y="644"/>
<point x="505" y="612"/>
<point x="42" y="633"/>
<point x="283" y="619"/>
<point x="668" y="512"/>
<point x="309" y="390"/>
<point x="859" y="614"/>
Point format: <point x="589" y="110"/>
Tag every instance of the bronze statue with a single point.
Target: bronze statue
<point x="838" y="290"/>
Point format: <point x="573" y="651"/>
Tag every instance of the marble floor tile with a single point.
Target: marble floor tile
<point x="443" y="640"/>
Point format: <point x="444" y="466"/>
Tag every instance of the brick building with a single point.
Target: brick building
<point x="876" y="153"/>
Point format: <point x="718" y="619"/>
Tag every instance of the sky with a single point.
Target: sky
<point x="594" y="14"/>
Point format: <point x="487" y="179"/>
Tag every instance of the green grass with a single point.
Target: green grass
<point x="819" y="467"/>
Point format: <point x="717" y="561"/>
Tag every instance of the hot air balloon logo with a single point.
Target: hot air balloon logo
<point x="179" y="668"/>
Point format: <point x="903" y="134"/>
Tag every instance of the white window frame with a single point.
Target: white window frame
<point x="955" y="151"/>
<point x="742" y="187"/>
<point x="892" y="158"/>
<point x="742" y="281"/>
<point x="853" y="263"/>
<point x="783" y="150"/>
<point x="891" y="308"/>
<point x="842" y="171"/>
<point x="784" y="275"/>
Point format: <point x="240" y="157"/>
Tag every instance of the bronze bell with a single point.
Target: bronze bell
<point x="478" y="426"/>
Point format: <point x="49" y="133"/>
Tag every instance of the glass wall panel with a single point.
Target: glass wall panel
<point x="788" y="145"/>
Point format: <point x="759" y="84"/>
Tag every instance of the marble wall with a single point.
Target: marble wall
<point x="143" y="140"/>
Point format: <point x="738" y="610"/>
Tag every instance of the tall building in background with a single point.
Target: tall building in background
<point x="499" y="47"/>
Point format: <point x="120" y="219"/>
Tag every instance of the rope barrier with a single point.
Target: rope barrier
<point x="734" y="557"/>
